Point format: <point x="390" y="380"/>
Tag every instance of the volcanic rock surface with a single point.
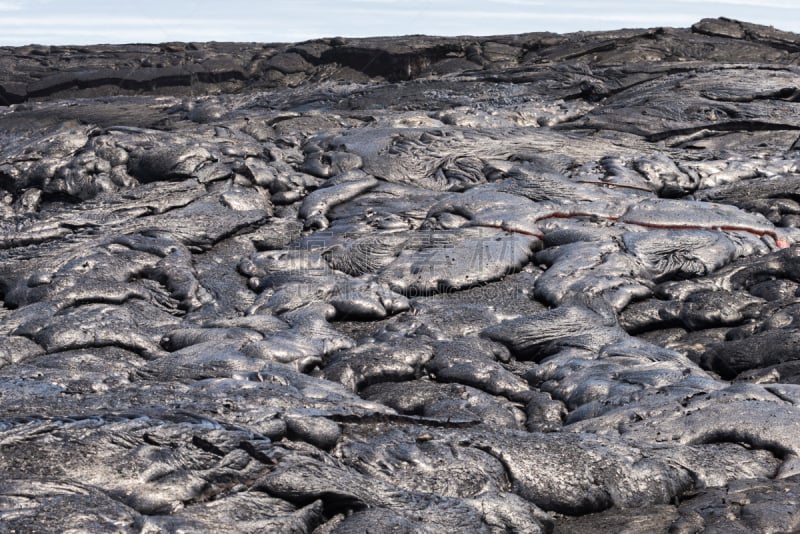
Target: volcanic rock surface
<point x="525" y="283"/>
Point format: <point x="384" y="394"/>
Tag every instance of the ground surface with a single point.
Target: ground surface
<point x="504" y="284"/>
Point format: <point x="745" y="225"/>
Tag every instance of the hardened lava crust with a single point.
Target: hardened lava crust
<point x="527" y="283"/>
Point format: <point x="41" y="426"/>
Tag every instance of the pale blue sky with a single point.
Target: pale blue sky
<point x="151" y="21"/>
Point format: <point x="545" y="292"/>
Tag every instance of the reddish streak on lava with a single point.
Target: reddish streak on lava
<point x="781" y="243"/>
<point x="575" y="215"/>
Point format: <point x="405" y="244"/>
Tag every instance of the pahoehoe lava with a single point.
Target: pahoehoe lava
<point x="526" y="283"/>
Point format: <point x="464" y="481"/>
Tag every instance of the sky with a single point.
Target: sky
<point x="53" y="22"/>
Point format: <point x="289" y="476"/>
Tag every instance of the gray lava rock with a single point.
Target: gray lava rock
<point x="530" y="283"/>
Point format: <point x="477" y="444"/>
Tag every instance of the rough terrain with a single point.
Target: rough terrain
<point x="529" y="283"/>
